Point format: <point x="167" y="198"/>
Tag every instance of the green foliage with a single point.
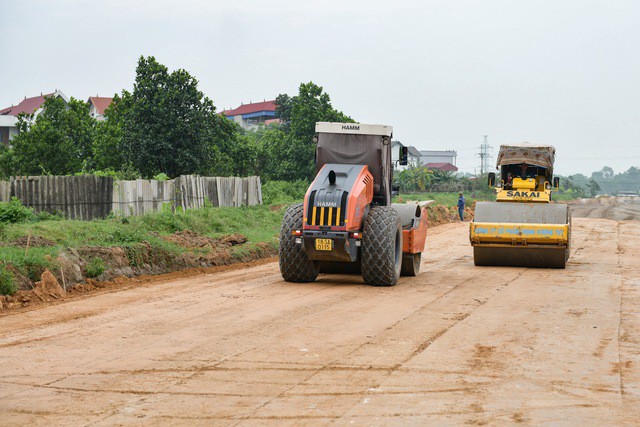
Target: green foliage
<point x="612" y="183"/>
<point x="422" y="179"/>
<point x="166" y="125"/>
<point x="289" y="151"/>
<point x="311" y="105"/>
<point x="414" y="178"/>
<point x="108" y="149"/>
<point x="244" y="153"/>
<point x="169" y="126"/>
<point x="283" y="192"/>
<point x="57" y="141"/>
<point x="446" y="199"/>
<point x="7" y="161"/>
<point x="161" y="177"/>
<point x="7" y="283"/>
<point x="138" y="236"/>
<point x="95" y="267"/>
<point x="127" y="173"/>
<point x="14" y="211"/>
<point x="47" y="216"/>
<point x="593" y="187"/>
<point x="446" y="181"/>
<point x="572" y="187"/>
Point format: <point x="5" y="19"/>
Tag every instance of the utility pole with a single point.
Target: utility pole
<point x="485" y="156"/>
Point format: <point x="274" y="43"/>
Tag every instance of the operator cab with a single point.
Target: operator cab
<point x="524" y="176"/>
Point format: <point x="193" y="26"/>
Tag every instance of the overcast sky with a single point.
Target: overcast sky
<point x="442" y="73"/>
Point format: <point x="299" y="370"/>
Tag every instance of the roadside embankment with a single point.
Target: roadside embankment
<point x="48" y="261"/>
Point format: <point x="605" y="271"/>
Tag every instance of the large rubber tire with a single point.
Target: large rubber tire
<point x="411" y="264"/>
<point x="295" y="266"/>
<point x="382" y="247"/>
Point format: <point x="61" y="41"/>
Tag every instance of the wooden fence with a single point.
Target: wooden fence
<point x="91" y="197"/>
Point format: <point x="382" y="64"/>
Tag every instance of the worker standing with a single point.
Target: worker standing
<point x="461" y="206"/>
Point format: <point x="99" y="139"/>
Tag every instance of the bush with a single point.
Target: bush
<point x="7" y="284"/>
<point x="46" y="216"/>
<point x="281" y="192"/>
<point x="161" y="177"/>
<point x="14" y="211"/>
<point x="95" y="267"/>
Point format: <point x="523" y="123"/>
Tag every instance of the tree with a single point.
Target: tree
<point x="414" y="178"/>
<point x="579" y="180"/>
<point x="312" y="105"/>
<point x="605" y="173"/>
<point x="294" y="153"/>
<point x="570" y="185"/>
<point x="57" y="141"/>
<point x="170" y="126"/>
<point x="108" y="149"/>
<point x="7" y="161"/>
<point x="594" y="188"/>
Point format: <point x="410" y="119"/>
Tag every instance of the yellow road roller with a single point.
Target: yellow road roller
<point x="522" y="228"/>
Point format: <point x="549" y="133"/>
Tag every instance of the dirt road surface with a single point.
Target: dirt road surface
<point x="456" y="345"/>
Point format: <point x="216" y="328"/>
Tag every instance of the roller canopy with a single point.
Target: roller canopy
<point x="526" y="152"/>
<point x="371" y="150"/>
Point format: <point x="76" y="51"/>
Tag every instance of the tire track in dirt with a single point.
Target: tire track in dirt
<point x="246" y="348"/>
<point x="420" y="346"/>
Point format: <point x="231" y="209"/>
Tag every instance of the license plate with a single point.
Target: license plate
<point x="324" y="244"/>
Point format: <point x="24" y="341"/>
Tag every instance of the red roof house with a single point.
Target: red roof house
<point x="9" y="119"/>
<point x="97" y="105"/>
<point x="254" y="114"/>
<point x="442" y="166"/>
<point x="27" y="106"/>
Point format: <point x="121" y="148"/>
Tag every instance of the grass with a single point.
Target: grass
<point x="446" y="199"/>
<point x="564" y="197"/>
<point x="258" y="223"/>
<point x="7" y="284"/>
<point x="95" y="267"/>
<point x="451" y="199"/>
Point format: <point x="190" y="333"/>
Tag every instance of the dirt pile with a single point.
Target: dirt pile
<point x="615" y="208"/>
<point x="440" y="214"/>
<point x="46" y="290"/>
<point x="193" y="240"/>
<point x="75" y="268"/>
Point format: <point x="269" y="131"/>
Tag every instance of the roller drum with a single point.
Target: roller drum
<point x="550" y="255"/>
<point x="521" y="213"/>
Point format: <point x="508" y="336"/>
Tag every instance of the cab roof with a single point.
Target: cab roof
<point x="525" y="152"/>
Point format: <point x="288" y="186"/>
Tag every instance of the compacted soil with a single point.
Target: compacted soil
<point x="458" y="344"/>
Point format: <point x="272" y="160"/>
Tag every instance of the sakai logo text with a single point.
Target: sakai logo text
<point x="350" y="127"/>
<point x="327" y="204"/>
<point x="511" y="193"/>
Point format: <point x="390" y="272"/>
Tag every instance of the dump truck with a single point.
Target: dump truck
<point x="522" y="227"/>
<point x="347" y="223"/>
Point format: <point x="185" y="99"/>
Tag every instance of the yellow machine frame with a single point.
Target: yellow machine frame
<point x="513" y="231"/>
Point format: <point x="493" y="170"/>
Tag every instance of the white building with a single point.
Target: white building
<point x="430" y="156"/>
<point x="413" y="156"/>
<point x="9" y="115"/>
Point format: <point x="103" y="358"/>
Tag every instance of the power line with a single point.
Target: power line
<point x="485" y="156"/>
